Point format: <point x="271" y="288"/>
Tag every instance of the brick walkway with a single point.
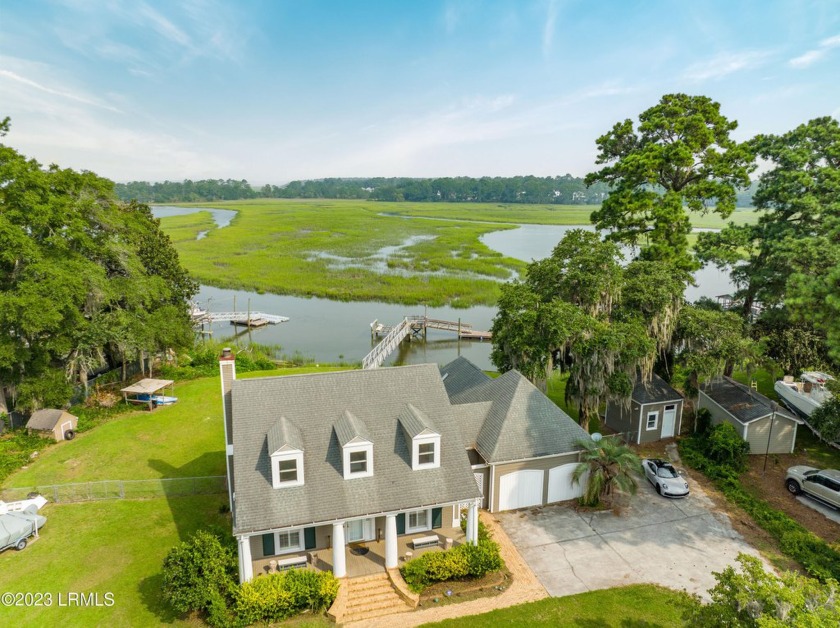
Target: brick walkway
<point x="524" y="587"/>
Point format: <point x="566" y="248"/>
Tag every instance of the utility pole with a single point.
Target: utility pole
<point x="774" y="406"/>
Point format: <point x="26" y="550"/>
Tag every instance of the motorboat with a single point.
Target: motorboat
<point x="31" y="505"/>
<point x="805" y="395"/>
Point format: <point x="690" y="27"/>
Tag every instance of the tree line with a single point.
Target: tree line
<point x="560" y="190"/>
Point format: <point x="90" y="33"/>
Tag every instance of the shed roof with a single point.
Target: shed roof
<point x="655" y="390"/>
<point x="147" y="386"/>
<point x="47" y="419"/>
<point x="743" y="403"/>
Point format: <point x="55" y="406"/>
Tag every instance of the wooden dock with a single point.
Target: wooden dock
<point x="414" y="327"/>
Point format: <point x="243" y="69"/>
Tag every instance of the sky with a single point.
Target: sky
<point x="275" y="90"/>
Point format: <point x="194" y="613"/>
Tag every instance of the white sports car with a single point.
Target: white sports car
<point x="665" y="478"/>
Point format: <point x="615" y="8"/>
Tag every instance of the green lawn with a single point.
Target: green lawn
<point x="639" y="606"/>
<point x="99" y="547"/>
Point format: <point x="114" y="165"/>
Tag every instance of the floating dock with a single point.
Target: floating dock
<point x="251" y="320"/>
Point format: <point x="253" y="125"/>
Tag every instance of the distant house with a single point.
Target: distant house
<point x="61" y="424"/>
<point x="752" y="414"/>
<point x="654" y="412"/>
<point x="347" y="470"/>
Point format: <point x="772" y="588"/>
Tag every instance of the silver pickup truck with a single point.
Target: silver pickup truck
<point x="821" y="484"/>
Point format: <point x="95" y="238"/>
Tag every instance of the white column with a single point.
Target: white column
<point x="472" y="523"/>
<point x="390" y="541"/>
<point x="246" y="567"/>
<point x="339" y="555"/>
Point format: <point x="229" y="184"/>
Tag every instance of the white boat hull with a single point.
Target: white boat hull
<point x="32" y="505"/>
<point x="795" y="400"/>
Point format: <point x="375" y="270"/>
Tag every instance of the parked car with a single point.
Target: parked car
<point x="821" y="484"/>
<point x="17" y="527"/>
<point x="665" y="478"/>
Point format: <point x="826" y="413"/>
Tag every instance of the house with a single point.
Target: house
<point x="61" y="424"/>
<point x="756" y="418"/>
<point x="523" y="449"/>
<point x="654" y="412"/>
<point x="325" y="468"/>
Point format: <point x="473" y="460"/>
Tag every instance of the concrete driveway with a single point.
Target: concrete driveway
<point x="827" y="511"/>
<point x="675" y="543"/>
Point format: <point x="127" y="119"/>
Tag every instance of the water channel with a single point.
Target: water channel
<point x="332" y="331"/>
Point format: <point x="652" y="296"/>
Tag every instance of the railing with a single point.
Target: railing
<point x="122" y="489"/>
<point x="376" y="357"/>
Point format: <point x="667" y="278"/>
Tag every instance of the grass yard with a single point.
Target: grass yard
<point x="99" y="547"/>
<point x="641" y="605"/>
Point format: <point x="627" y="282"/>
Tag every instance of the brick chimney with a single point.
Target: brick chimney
<point x="227" y="369"/>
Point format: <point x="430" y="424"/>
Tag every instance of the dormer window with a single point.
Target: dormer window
<point x="356" y="446"/>
<point x="285" y="449"/>
<point x="422" y="438"/>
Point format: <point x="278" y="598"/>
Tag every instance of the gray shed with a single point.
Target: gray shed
<point x="60" y="423"/>
<point x="752" y="415"/>
<point x="655" y="412"/>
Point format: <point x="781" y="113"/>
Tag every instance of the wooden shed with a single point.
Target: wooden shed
<point x="655" y="412"/>
<point x="60" y="423"/>
<point x="756" y="418"/>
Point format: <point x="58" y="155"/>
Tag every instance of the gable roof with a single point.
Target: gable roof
<point x="654" y="391"/>
<point x="521" y="422"/>
<point x="316" y="402"/>
<point x="284" y="433"/>
<point x="415" y="421"/>
<point x="349" y="427"/>
<point x="46" y="419"/>
<point x="744" y="404"/>
<point x="460" y="375"/>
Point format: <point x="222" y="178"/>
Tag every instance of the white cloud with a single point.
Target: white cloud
<point x="63" y="93"/>
<point x="725" y="64"/>
<point x="549" y="26"/>
<point x="812" y="56"/>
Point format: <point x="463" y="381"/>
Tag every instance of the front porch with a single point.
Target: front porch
<point x="359" y="562"/>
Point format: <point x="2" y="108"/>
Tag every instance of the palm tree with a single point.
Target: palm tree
<point x="607" y="466"/>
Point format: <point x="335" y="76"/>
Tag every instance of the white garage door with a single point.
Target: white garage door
<point x="521" y="489"/>
<point x="560" y="485"/>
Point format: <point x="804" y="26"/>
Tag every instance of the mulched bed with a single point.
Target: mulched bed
<point x="464" y="590"/>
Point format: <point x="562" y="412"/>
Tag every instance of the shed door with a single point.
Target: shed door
<point x="521" y="489"/>
<point x="669" y="420"/>
<point x="560" y="485"/>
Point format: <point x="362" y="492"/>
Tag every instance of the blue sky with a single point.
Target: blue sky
<point x="278" y="90"/>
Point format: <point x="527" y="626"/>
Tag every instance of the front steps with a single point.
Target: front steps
<point x="368" y="597"/>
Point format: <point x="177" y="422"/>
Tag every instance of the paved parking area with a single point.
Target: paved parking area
<point x="675" y="543"/>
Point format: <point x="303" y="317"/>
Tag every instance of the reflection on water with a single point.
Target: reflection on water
<point x="222" y="217"/>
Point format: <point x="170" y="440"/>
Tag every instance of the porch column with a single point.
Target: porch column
<point x="472" y="523"/>
<point x="339" y="554"/>
<point x="391" y="556"/>
<point x="246" y="567"/>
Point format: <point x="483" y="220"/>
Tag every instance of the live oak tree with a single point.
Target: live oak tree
<point x="680" y="157"/>
<point x="791" y="257"/>
<point x="85" y="281"/>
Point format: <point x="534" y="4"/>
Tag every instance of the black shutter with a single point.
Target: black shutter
<point x="309" y="538"/>
<point x="401" y="523"/>
<point x="268" y="544"/>
<point x="437" y="518"/>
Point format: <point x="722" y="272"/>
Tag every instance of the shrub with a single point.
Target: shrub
<point x="703" y="421"/>
<point x="724" y="446"/>
<point x="463" y="561"/>
<point x="200" y="573"/>
<point x="276" y="597"/>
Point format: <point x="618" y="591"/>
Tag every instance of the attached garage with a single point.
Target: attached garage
<point x="560" y="484"/>
<point x="521" y="489"/>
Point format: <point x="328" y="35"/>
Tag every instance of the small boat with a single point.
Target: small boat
<point x="31" y="505"/>
<point x="158" y="400"/>
<point x="807" y="394"/>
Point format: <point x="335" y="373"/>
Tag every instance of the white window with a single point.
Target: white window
<point x="418" y="521"/>
<point x="652" y="420"/>
<point x="425" y="452"/>
<point x="358" y="460"/>
<point x="290" y="541"/>
<point x="287" y="468"/>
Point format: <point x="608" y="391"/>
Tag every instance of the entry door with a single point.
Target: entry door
<point x="669" y="419"/>
<point x="359" y="530"/>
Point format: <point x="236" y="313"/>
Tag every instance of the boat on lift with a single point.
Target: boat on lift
<point x="807" y="394"/>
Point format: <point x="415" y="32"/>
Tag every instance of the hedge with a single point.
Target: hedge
<point x="276" y="597"/>
<point x="818" y="558"/>
<point x="463" y="561"/>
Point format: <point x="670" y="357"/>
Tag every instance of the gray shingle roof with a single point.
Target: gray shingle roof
<point x="315" y="403"/>
<point x="470" y="417"/>
<point x="284" y="433"/>
<point x="45" y="419"/>
<point x="522" y="422"/>
<point x="349" y="427"/>
<point x="460" y="375"/>
<point x="415" y="421"/>
<point x="654" y="391"/>
<point x="743" y="403"/>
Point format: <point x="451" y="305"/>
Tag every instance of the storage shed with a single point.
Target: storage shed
<point x="655" y="412"/>
<point x="60" y="423"/>
<point x="752" y="414"/>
